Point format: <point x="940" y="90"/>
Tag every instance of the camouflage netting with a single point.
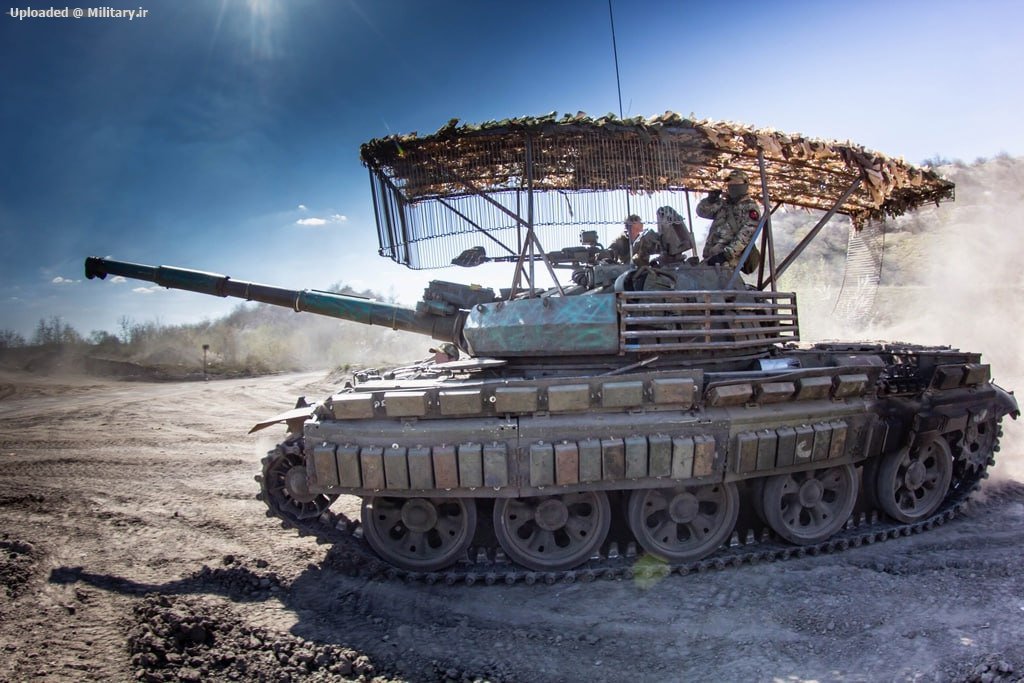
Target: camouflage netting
<point x="577" y="153"/>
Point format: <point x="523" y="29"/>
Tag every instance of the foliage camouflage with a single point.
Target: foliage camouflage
<point x="581" y="153"/>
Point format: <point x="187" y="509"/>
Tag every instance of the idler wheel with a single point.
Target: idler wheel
<point x="912" y="482"/>
<point x="808" y="507"/>
<point x="684" y="523"/>
<point x="419" y="534"/>
<point x="552" y="533"/>
<point x="974" y="451"/>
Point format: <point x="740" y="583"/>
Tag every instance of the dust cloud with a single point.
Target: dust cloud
<point x="253" y="339"/>
<point x="952" y="275"/>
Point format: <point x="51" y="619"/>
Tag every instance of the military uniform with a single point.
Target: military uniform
<point x="646" y="245"/>
<point x="733" y="225"/>
<point x="675" y="238"/>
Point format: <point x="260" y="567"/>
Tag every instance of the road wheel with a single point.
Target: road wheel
<point x="552" y="533"/>
<point x="912" y="482"/>
<point x="419" y="534"/>
<point x="808" y="507"/>
<point x="684" y="523"/>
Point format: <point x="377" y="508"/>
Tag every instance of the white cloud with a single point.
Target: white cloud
<point x="145" y="290"/>
<point x="63" y="281"/>
<point x="302" y="207"/>
<point x="317" y="222"/>
<point x="117" y="279"/>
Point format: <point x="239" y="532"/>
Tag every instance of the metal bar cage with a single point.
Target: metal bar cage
<point x="439" y="195"/>
<point x="652" y="322"/>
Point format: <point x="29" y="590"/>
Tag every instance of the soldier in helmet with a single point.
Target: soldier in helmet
<point x="675" y="237"/>
<point x="648" y="243"/>
<point x="734" y="219"/>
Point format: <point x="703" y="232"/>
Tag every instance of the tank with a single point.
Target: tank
<point x="656" y="415"/>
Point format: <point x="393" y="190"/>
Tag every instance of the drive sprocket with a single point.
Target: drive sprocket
<point x="283" y="485"/>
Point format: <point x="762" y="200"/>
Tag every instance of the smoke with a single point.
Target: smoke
<point x="952" y="275"/>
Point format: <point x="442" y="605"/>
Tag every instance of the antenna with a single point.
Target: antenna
<point x="615" y="53"/>
<point x="618" y="87"/>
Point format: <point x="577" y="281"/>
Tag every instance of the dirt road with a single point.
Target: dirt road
<point x="132" y="548"/>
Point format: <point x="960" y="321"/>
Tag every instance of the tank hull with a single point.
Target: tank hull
<point x="894" y="430"/>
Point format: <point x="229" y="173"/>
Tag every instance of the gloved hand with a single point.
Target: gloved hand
<point x="583" y="277"/>
<point x="716" y="259"/>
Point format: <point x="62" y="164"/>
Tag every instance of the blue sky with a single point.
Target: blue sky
<point x="224" y="136"/>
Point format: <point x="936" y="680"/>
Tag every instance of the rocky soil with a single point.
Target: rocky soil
<point x="132" y="548"/>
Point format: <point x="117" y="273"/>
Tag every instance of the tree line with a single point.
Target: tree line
<point x="252" y="337"/>
<point x="55" y="331"/>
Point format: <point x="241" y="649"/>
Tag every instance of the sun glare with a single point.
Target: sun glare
<point x="255" y="22"/>
<point x="264" y="17"/>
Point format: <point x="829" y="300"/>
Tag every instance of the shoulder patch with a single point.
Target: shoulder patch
<point x="754" y="214"/>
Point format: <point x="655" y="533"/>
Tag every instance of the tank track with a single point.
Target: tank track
<point x="488" y="565"/>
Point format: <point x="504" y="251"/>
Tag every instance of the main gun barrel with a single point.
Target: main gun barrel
<point x="354" y="308"/>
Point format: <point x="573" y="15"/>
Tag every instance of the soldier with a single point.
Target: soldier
<point x="675" y="238"/>
<point x="647" y="243"/>
<point x="734" y="221"/>
<point x="620" y="247"/>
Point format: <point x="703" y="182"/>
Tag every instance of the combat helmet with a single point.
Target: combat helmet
<point x="737" y="183"/>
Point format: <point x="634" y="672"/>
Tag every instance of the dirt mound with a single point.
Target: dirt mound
<point x="83" y="361"/>
<point x="18" y="560"/>
<point x="184" y="639"/>
<point x="237" y="579"/>
<point x="58" y="360"/>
